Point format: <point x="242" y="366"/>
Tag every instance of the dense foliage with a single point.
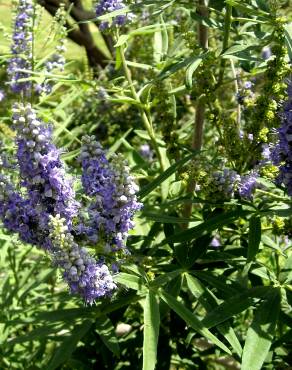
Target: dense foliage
<point x="145" y="186"/>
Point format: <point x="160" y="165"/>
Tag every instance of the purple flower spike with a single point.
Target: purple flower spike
<point x="282" y="152"/>
<point x="248" y="185"/>
<point x="113" y="196"/>
<point x="41" y="169"/>
<point x="21" y="48"/>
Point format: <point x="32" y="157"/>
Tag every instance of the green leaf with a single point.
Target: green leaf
<point x="286" y="272"/>
<point x="177" y="66"/>
<point x="165" y="278"/>
<point x="130" y="281"/>
<point x="35" y="334"/>
<point x="226" y="286"/>
<point x="117" y="144"/>
<point x="194" y="286"/>
<point x="158" y="217"/>
<point x="191" y="319"/>
<point x="122" y="40"/>
<point x="125" y="100"/>
<point x="190" y="71"/>
<point x="260" y="334"/>
<point x="288" y="38"/>
<point x="157" y="46"/>
<point x="64" y="352"/>
<point x="254" y="237"/>
<point x="188" y="253"/>
<point x="164" y="176"/>
<point x="151" y="331"/>
<point x="234" y="306"/>
<point x="248" y="9"/>
<point x="208" y="225"/>
<point x="107" y="334"/>
<point x="115" y="13"/>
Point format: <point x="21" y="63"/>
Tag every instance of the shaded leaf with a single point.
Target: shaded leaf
<point x="234" y="306"/>
<point x="260" y="334"/>
<point x="151" y="330"/>
<point x="64" y="352"/>
<point x="254" y="237"/>
<point x="107" y="333"/>
<point x="191" y="319"/>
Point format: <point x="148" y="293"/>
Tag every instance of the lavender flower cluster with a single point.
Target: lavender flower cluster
<point x="42" y="208"/>
<point x="108" y="6"/>
<point x="282" y="152"/>
<point x="226" y="184"/>
<point x="21" y="48"/>
<point x="112" y="193"/>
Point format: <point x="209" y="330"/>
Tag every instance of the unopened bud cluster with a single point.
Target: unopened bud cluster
<point x="84" y="275"/>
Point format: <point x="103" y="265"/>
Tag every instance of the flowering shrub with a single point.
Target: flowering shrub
<point x="145" y="186"/>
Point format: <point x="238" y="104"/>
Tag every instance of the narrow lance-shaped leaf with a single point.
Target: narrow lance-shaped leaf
<point x="260" y="334"/>
<point x="130" y="281"/>
<point x="191" y="319"/>
<point x="107" y="334"/>
<point x="165" y="175"/>
<point x="208" y="225"/>
<point x="254" y="237"/>
<point x="286" y="272"/>
<point x="190" y="71"/>
<point x="151" y="331"/>
<point x="234" y="305"/>
<point x="64" y="352"/>
<point x="208" y="300"/>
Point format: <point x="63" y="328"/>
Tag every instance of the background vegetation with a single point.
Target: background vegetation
<point x="208" y="282"/>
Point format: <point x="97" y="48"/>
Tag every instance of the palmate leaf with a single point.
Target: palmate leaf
<point x="260" y="334"/>
<point x="191" y="63"/>
<point x="191" y="319"/>
<point x="165" y="278"/>
<point x="235" y="305"/>
<point x="73" y="314"/>
<point x="227" y="287"/>
<point x="209" y="301"/>
<point x="151" y="330"/>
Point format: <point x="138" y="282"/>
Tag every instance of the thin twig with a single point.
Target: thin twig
<point x="146" y="121"/>
<point x="197" y="139"/>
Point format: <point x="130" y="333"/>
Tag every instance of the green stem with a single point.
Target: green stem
<point x="197" y="139"/>
<point x="227" y="26"/>
<point x="236" y="92"/>
<point x="276" y="197"/>
<point x="147" y="123"/>
<point x="32" y="53"/>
